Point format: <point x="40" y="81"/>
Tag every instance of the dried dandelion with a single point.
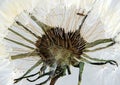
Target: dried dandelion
<point x="57" y="38"/>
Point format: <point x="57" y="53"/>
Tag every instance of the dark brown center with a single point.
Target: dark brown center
<point x="56" y="45"/>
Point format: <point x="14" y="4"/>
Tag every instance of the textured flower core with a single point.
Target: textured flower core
<point x="58" y="46"/>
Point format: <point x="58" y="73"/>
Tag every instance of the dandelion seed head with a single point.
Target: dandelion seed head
<point x="61" y="15"/>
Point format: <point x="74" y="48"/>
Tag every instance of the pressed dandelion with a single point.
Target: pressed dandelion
<point x="57" y="49"/>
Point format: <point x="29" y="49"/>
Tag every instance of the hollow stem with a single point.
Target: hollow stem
<point x="58" y="75"/>
<point x="54" y="79"/>
<point x="81" y="67"/>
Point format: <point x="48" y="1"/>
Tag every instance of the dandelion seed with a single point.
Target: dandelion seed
<point x="56" y="41"/>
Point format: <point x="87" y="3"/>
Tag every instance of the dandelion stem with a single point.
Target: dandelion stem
<point x="21" y="36"/>
<point x="18" y="43"/>
<point x="53" y="80"/>
<point x="81" y="67"/>
<point x="58" y="75"/>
